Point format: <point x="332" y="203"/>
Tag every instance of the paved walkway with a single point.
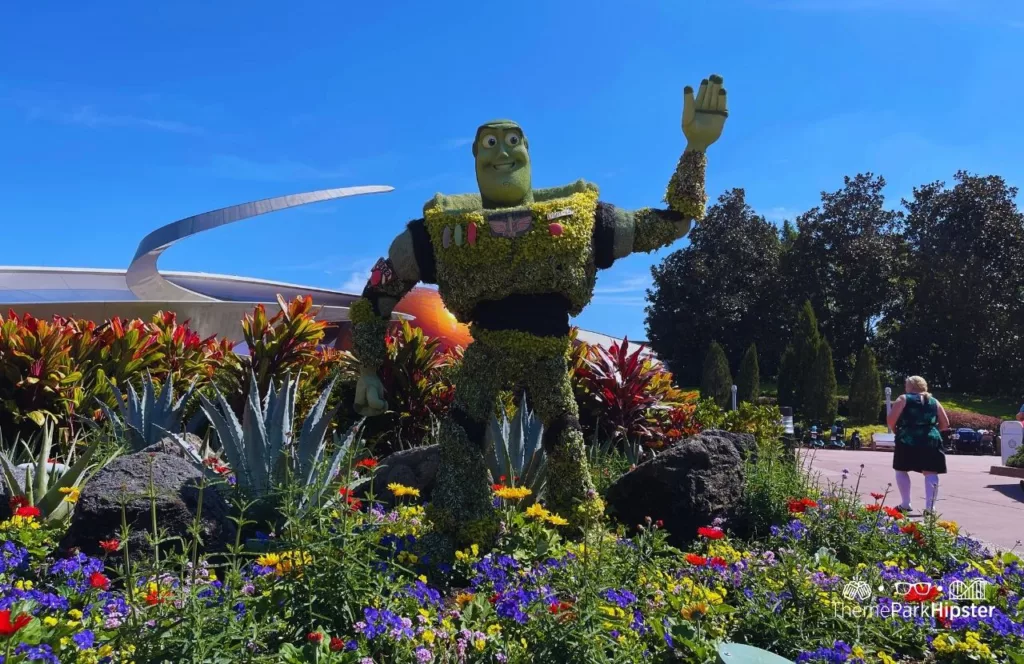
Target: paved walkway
<point x="988" y="507"/>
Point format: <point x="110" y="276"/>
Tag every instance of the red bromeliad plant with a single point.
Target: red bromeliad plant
<point x="417" y="378"/>
<point x="629" y="396"/>
<point x="617" y="385"/>
<point x="286" y="342"/>
<point x="37" y="375"/>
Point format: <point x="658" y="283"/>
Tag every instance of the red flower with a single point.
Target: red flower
<point x="17" y="501"/>
<point x="910" y="528"/>
<point x="99" y="581"/>
<point x="711" y="533"/>
<point x="893" y="512"/>
<point x="877" y="496"/>
<point x="922" y="592"/>
<point x="336" y="643"/>
<point x="366" y="463"/>
<point x="314" y="637"/>
<point x="796" y="506"/>
<point x="493" y="599"/>
<point x="694" y="559"/>
<point x="502" y="478"/>
<point x="718" y="561"/>
<point x="110" y="545"/>
<point x="659" y="524"/>
<point x="9" y="629"/>
<point x="497" y="487"/>
<point x="350" y="499"/>
<point x="28" y="511"/>
<point x="807" y="502"/>
<point x="873" y="508"/>
<point x="155" y="596"/>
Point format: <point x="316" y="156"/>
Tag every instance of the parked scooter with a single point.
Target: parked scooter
<point x="838" y="438"/>
<point x="966" y="441"/>
<point x="814" y="438"/>
<point x="987" y="444"/>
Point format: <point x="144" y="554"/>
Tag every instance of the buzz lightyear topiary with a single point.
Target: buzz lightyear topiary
<point x="515" y="263"/>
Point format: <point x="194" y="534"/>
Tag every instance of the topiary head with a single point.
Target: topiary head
<point x="502" y="164"/>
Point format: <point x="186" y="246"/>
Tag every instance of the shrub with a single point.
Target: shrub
<point x="865" y="389"/>
<point x="1016" y="459"/>
<point x="821" y="394"/>
<point x="806" y="340"/>
<point x="788" y="378"/>
<point x="968" y="420"/>
<point x="716" y="381"/>
<point x="749" y="383"/>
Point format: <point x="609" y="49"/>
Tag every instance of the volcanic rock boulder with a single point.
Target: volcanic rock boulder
<point x="687" y="486"/>
<point x="126" y="480"/>
<point x="416" y="468"/>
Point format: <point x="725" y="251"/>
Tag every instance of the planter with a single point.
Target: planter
<point x="1007" y="471"/>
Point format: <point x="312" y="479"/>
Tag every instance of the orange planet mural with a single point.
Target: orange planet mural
<point x="433" y="318"/>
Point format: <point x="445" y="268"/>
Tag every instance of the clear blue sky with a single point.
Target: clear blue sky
<point x="117" y="117"/>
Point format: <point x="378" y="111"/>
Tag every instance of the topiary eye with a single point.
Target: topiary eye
<point x="512" y="139"/>
<point x="489" y="141"/>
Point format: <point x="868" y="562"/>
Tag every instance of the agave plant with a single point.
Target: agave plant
<point x="45" y="482"/>
<point x="516" y="452"/>
<point x="145" y="421"/>
<point x="262" y="450"/>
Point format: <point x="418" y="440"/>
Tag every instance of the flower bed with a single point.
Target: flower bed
<point x="836" y="581"/>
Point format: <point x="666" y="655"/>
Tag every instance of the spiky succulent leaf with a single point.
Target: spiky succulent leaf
<point x="314" y="429"/>
<point x="53" y="499"/>
<point x="230" y="433"/>
<point x="255" y="440"/>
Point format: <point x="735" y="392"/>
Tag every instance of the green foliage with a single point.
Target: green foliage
<point x="806" y="340"/>
<point x="764" y="422"/>
<point x="821" y="394"/>
<point x="724" y="286"/>
<point x="789" y="378"/>
<point x="955" y="317"/>
<point x="771" y="481"/>
<point x="145" y="421"/>
<point x="866" y="389"/>
<point x="748" y="385"/>
<point x="418" y="377"/>
<point x="716" y="381"/>
<point x="46" y="484"/>
<point x="847" y="259"/>
<point x="261" y="449"/>
<point x="515" y="452"/>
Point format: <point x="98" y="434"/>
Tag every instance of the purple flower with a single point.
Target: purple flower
<point x="423" y="655"/>
<point x="84" y="639"/>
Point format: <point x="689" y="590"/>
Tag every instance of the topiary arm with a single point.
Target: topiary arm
<point x="410" y="261"/>
<point x="619" y="233"/>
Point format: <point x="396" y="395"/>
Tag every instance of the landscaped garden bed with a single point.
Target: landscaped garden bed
<point x="295" y="560"/>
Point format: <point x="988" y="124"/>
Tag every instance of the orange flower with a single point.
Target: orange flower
<point x="873" y="508"/>
<point x="893" y="512"/>
<point x="694" y="559"/>
<point x="367" y="463"/>
<point x="110" y="545"/>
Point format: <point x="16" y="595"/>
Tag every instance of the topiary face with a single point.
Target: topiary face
<point x="502" y="164"/>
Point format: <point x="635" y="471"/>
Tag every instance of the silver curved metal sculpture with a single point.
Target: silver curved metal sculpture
<point x="143" y="275"/>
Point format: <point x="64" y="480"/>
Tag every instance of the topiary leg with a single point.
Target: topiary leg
<point x="570" y="490"/>
<point x="461" y="509"/>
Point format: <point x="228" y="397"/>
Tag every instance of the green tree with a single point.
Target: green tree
<point x="788" y="379"/>
<point x="806" y="340"/>
<point x="960" y="313"/>
<point x="821" y="401"/>
<point x="748" y="385"/>
<point x="716" y="380"/>
<point x="846" y="258"/>
<point x="724" y="286"/>
<point x="866" y="389"/>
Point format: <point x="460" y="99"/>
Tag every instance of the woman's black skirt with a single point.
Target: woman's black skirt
<point x="918" y="458"/>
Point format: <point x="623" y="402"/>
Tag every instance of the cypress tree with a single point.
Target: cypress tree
<point x="787" y="378"/>
<point x="716" y="380"/>
<point x="805" y="347"/>
<point x="748" y="385"/>
<point x="821" y="397"/>
<point x="866" y="389"/>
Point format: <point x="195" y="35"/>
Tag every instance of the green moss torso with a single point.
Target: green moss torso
<point x="514" y="250"/>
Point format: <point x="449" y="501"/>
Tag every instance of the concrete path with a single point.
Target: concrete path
<point x="988" y="507"/>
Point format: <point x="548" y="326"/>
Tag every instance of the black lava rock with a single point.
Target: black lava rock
<point x="126" y="480"/>
<point x="687" y="486"/>
<point x="416" y="468"/>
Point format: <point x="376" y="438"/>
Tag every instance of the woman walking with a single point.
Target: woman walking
<point x="918" y="418"/>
